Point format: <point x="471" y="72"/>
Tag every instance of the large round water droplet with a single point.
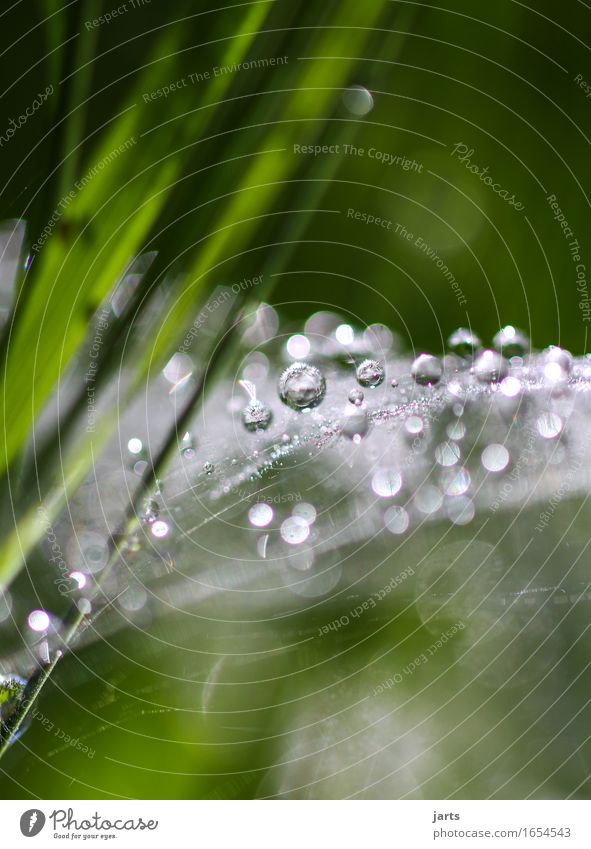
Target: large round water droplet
<point x="256" y="416"/>
<point x="358" y="100"/>
<point x="490" y="367"/>
<point x="426" y="370"/>
<point x="464" y="343"/>
<point x="302" y="386"/>
<point x="370" y="373"/>
<point x="511" y="342"/>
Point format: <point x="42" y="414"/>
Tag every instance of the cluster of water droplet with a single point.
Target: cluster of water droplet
<point x="442" y="423"/>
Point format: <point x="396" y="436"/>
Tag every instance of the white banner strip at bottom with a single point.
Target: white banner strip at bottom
<point x="297" y="824"/>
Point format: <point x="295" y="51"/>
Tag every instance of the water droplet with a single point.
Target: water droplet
<point x="298" y="346"/>
<point x="549" y="425"/>
<point x="396" y="520"/>
<point x="187" y="446"/>
<point x="394" y="383"/>
<point x="510" y="387"/>
<point x="79" y="578"/>
<point x="133" y="598"/>
<point x="208" y="468"/>
<point x="426" y="370"/>
<point x="378" y="337"/>
<point x="370" y="373"/>
<point x="495" y="457"/>
<point x="490" y="367"/>
<point x="260" y="515"/>
<point x="356" y="397"/>
<point x="135" y="445"/>
<point x="264" y="324"/>
<point x="511" y="342"/>
<point x="5" y="605"/>
<point x="456" y="430"/>
<point x="414" y="425"/>
<point x="447" y="454"/>
<point x="12" y="688"/>
<point x="357" y="100"/>
<point x="256" y="416"/>
<point x="355" y="424"/>
<point x="301" y="559"/>
<point x="322" y="323"/>
<point x="286" y="438"/>
<point x="305" y="511"/>
<point x="262" y="543"/>
<point x="386" y="483"/>
<point x="151" y="510"/>
<point x="159" y="528"/>
<point x="554" y="374"/>
<point x="178" y="369"/>
<point x="38" y="620"/>
<point x="344" y="334"/>
<point x="555" y="354"/>
<point x="256" y="367"/>
<point x="84" y="606"/>
<point x="428" y="499"/>
<point x="294" y="530"/>
<point x="455" y="481"/>
<point x="460" y="510"/>
<point x="464" y="343"/>
<point x="302" y="386"/>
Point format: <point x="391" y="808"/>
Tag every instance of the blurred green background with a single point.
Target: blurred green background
<point x="500" y="79"/>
